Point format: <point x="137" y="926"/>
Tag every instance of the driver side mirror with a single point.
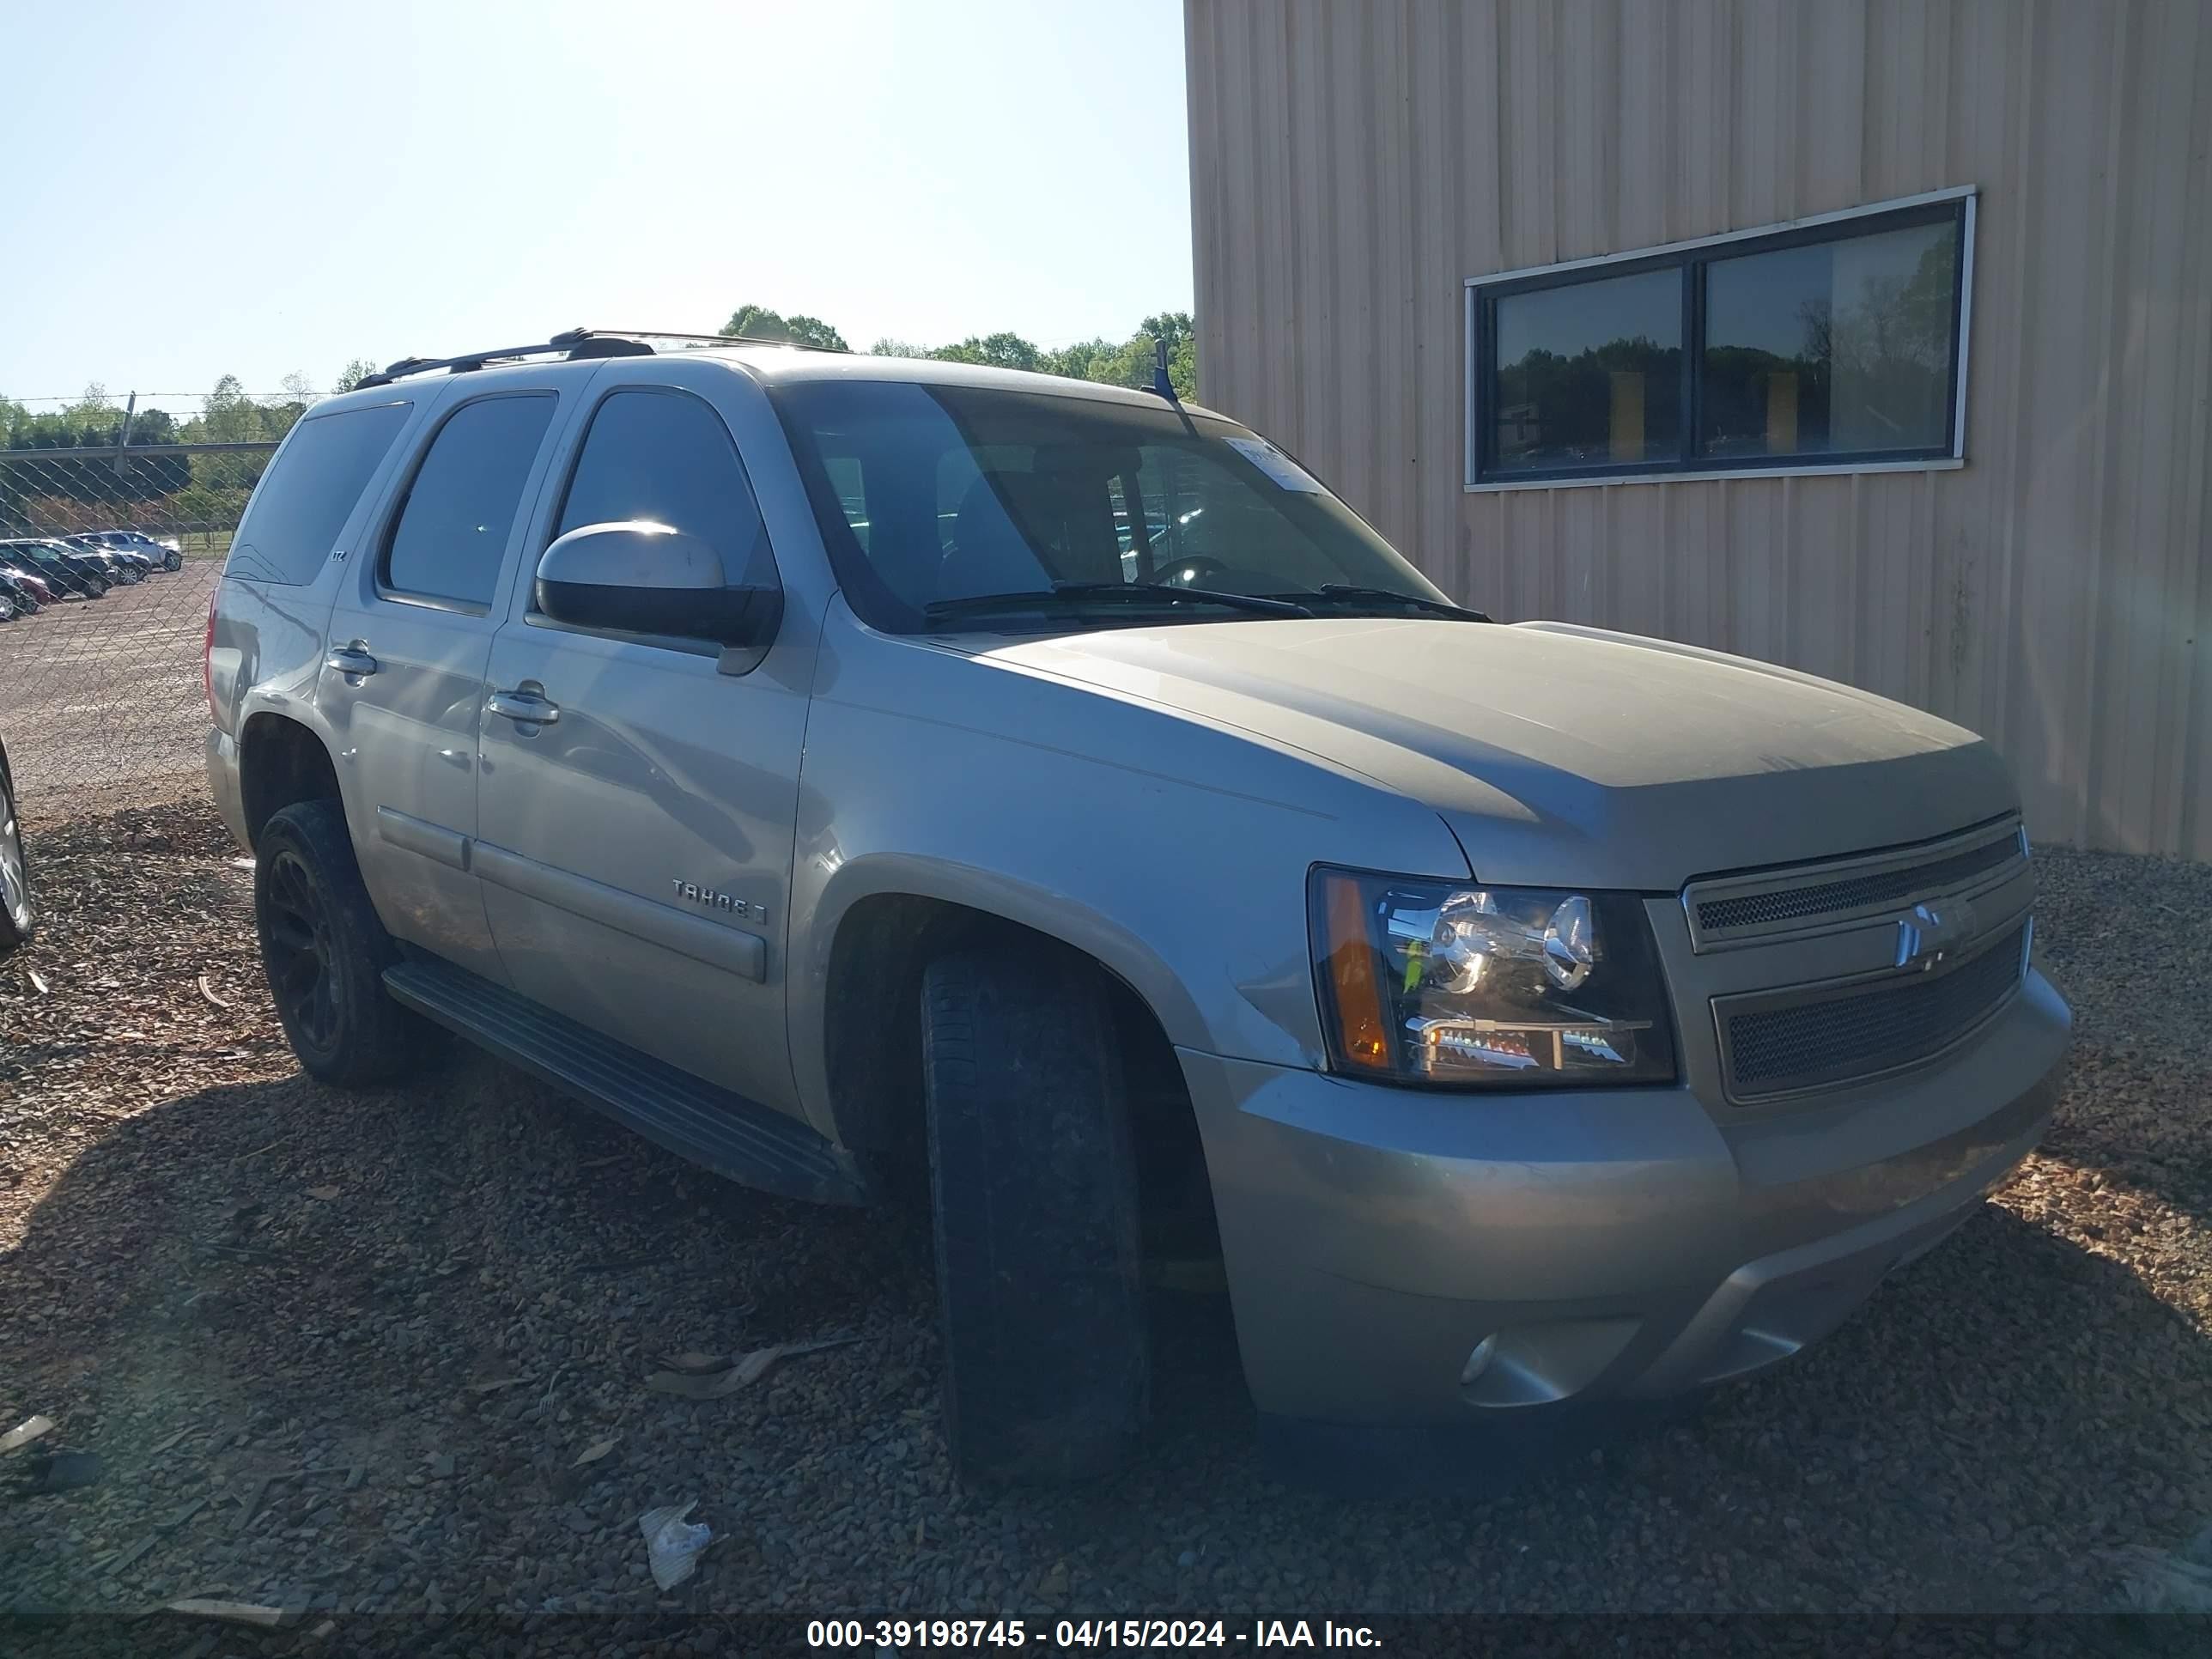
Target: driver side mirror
<point x="638" y="577"/>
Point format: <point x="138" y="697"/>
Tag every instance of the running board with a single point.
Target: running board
<point x="721" y="1131"/>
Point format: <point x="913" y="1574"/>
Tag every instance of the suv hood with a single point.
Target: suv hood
<point x="1560" y="754"/>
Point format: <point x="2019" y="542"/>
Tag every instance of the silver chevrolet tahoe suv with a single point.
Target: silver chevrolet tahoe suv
<point x="1047" y="802"/>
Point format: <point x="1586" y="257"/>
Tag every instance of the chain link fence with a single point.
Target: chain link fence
<point x="108" y="555"/>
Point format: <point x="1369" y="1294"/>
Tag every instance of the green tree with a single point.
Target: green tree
<point x="1175" y="327"/>
<point x="229" y="415"/>
<point x="993" y="350"/>
<point x="1129" y="363"/>
<point x="92" y="405"/>
<point x="356" y="371"/>
<point x="759" y="323"/>
<point x="1079" y="361"/>
<point x="1113" y="362"/>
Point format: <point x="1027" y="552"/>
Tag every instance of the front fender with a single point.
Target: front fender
<point x="1172" y="851"/>
<point x="1011" y="897"/>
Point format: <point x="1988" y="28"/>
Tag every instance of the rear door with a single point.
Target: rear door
<point x="403" y="683"/>
<point x="635" y="846"/>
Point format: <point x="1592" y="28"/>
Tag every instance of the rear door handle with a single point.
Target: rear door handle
<point x="526" y="708"/>
<point x="351" y="658"/>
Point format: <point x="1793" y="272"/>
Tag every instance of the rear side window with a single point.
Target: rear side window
<point x="301" y="505"/>
<point x="666" y="457"/>
<point x="451" y="535"/>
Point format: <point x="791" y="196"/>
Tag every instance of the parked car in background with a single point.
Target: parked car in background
<point x="117" y="572"/>
<point x="28" y="594"/>
<point x="149" y="554"/>
<point x="17" y="914"/>
<point x="29" y="584"/>
<point x="72" y="574"/>
<point x="1534" y="1015"/>
<point x="126" y="569"/>
<point x="164" y="550"/>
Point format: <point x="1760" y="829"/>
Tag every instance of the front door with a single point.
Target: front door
<point x="403" y="683"/>
<point x="637" y="804"/>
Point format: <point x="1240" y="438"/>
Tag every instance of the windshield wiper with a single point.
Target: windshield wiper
<point x="1078" y="594"/>
<point x="1347" y="593"/>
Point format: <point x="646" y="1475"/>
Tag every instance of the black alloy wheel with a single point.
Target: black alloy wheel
<point x="297" y="948"/>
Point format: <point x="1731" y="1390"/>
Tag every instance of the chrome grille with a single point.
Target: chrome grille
<point x="1771" y="1048"/>
<point x="1728" y="910"/>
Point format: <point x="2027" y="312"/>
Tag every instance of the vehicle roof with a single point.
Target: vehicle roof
<point x="773" y="364"/>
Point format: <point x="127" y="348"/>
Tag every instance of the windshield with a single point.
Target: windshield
<point x="929" y="496"/>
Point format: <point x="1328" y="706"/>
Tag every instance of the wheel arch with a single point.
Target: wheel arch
<point x="281" y="761"/>
<point x="856" y="1004"/>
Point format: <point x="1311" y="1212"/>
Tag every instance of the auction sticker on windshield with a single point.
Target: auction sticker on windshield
<point x="1281" y="468"/>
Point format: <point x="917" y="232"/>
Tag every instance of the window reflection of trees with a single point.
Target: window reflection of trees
<point x="1615" y="402"/>
<point x="1874" y="377"/>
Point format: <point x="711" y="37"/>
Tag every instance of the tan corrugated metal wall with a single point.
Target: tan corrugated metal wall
<point x="1353" y="161"/>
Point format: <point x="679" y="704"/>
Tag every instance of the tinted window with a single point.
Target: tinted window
<point x="452" y="533"/>
<point x="850" y="489"/>
<point x="665" y="457"/>
<point x="1824" y="345"/>
<point x="1590" y="373"/>
<point x="303" y="500"/>
<point x="1837" y="346"/>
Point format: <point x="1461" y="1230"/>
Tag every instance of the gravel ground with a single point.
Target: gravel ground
<point x="94" y="692"/>
<point x="344" y="1353"/>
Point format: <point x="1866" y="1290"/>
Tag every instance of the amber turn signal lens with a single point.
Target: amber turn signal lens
<point x="1362" y="1036"/>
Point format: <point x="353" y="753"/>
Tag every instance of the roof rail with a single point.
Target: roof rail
<point x="573" y="344"/>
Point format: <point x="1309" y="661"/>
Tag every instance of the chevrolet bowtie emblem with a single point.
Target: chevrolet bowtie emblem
<point x="1932" y="932"/>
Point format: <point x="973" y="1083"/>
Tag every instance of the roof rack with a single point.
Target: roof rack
<point x="573" y="344"/>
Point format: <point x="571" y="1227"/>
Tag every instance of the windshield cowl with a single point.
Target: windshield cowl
<point x="1065" y="596"/>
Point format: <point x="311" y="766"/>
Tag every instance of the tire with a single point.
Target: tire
<point x="1033" y="1216"/>
<point x="7" y="609"/>
<point x="19" y="915"/>
<point x="324" y="952"/>
<point x="98" y="586"/>
<point x="172" y="561"/>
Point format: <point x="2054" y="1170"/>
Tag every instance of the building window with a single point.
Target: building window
<point x="1834" y="344"/>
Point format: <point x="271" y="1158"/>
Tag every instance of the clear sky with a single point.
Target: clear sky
<point x="254" y="190"/>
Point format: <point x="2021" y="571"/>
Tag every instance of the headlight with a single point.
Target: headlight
<point x="1452" y="982"/>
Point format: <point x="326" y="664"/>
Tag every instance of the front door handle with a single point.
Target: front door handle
<point x="352" y="659"/>
<point x="526" y="708"/>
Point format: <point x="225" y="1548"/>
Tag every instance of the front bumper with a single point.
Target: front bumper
<point x="1605" y="1244"/>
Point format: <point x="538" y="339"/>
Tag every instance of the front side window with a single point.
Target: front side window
<point x="451" y="536"/>
<point x="1831" y="345"/>
<point x="665" y="457"/>
<point x="931" y="496"/>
